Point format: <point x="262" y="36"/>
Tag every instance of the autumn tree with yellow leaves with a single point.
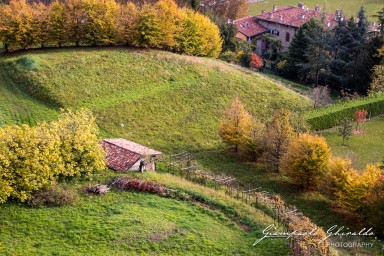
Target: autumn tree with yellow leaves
<point x="279" y="133"/>
<point x="235" y="125"/>
<point x="104" y="22"/>
<point x="306" y="160"/>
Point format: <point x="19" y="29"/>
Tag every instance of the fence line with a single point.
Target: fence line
<point x="185" y="165"/>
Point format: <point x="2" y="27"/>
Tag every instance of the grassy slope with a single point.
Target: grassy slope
<point x="360" y="148"/>
<point x="122" y="223"/>
<point x="349" y="7"/>
<point x="179" y="109"/>
<point x="18" y="107"/>
<point x="161" y="99"/>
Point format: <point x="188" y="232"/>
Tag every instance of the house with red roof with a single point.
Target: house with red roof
<point x="282" y="22"/>
<point x="124" y="155"/>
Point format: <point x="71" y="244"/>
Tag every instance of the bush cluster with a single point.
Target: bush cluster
<point x="362" y="194"/>
<point x="97" y="22"/>
<point x="33" y="158"/>
<point x="55" y="196"/>
<point x="331" y="115"/>
<point x="126" y="183"/>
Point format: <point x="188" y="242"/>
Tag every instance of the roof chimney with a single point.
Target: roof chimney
<point x="246" y="24"/>
<point x="338" y="13"/>
<point x="302" y="16"/>
<point x="317" y="8"/>
<point x="270" y="15"/>
<point x="300" y="5"/>
<point x="263" y="11"/>
<point x="274" y="8"/>
<point x="281" y="17"/>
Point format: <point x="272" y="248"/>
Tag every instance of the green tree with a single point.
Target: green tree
<point x="306" y="160"/>
<point x="317" y="52"/>
<point x="235" y="125"/>
<point x="345" y="129"/>
<point x="296" y="52"/>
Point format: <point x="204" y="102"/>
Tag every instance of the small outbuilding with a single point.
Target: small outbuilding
<point x="124" y="155"/>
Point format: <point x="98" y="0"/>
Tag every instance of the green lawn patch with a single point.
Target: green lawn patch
<point x="360" y="148"/>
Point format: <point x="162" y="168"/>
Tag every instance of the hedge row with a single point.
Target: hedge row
<point x="330" y="116"/>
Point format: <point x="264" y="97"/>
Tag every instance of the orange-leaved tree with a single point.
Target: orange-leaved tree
<point x="256" y="62"/>
<point x="361" y="117"/>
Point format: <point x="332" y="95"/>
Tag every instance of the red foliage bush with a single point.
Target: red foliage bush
<point x="256" y="62"/>
<point x="138" y="185"/>
<point x="361" y="117"/>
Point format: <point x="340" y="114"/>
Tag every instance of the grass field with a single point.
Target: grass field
<point x="160" y="99"/>
<point x="132" y="223"/>
<point x="163" y="100"/>
<point x="360" y="148"/>
<point x="349" y="7"/>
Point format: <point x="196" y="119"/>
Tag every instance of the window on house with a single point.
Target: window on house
<point x="287" y="37"/>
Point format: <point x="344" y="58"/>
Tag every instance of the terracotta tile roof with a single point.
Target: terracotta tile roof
<point x="133" y="147"/>
<point x="249" y="27"/>
<point x="123" y="154"/>
<point x="294" y="16"/>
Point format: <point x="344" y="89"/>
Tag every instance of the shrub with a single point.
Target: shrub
<point x="374" y="209"/>
<point x="339" y="177"/>
<point x="30" y="160"/>
<point x="331" y="115"/>
<point x="352" y="188"/>
<point x="306" y="160"/>
<point x="229" y="56"/>
<point x="245" y="60"/>
<point x="138" y="185"/>
<point x="56" y="196"/>
<point x="33" y="158"/>
<point x="255" y="62"/>
<point x="80" y="149"/>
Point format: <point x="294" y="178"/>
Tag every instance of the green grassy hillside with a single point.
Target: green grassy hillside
<point x="349" y="7"/>
<point x="163" y="100"/>
<point x="160" y="99"/>
<point x="132" y="223"/>
<point x="17" y="107"/>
